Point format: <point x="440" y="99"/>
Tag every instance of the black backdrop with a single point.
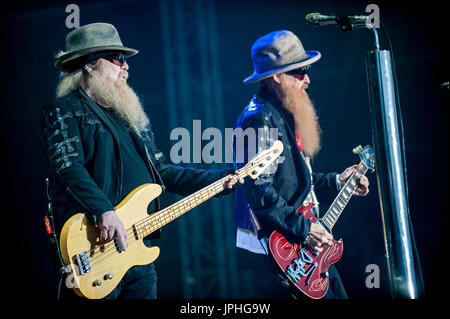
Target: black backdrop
<point x="31" y="33"/>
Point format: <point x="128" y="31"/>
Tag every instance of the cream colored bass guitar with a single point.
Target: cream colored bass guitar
<point x="96" y="268"/>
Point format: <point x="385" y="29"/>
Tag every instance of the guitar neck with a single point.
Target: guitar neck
<point x="334" y="212"/>
<point x="165" y="216"/>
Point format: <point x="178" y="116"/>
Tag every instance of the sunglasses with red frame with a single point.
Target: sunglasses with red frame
<point x="300" y="72"/>
<point x="116" y="58"/>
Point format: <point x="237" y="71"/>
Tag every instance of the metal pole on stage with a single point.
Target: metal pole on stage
<point x="403" y="261"/>
<point x="405" y="275"/>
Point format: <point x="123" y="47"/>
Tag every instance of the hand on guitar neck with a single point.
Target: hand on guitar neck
<point x="362" y="188"/>
<point x="318" y="236"/>
<point x="233" y="180"/>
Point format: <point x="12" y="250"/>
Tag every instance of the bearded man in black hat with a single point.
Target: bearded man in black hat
<point x="270" y="202"/>
<point x="99" y="146"/>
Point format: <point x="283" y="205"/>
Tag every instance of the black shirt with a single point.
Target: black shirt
<point x="135" y="172"/>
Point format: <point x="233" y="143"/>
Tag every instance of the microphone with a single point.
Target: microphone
<point x="316" y="20"/>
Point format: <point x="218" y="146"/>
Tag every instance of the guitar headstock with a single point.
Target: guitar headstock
<point x="263" y="159"/>
<point x="366" y="155"/>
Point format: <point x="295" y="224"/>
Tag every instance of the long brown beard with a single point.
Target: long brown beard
<point x="297" y="102"/>
<point x="120" y="97"/>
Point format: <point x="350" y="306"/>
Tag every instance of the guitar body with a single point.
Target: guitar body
<point x="305" y="268"/>
<point x="308" y="269"/>
<point x="107" y="264"/>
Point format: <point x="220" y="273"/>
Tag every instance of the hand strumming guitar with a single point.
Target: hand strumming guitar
<point x="110" y="225"/>
<point x="318" y="237"/>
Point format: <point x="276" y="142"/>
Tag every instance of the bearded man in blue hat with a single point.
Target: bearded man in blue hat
<point x="98" y="143"/>
<point x="270" y="203"/>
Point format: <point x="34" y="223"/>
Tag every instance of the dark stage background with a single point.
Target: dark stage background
<point x="33" y="32"/>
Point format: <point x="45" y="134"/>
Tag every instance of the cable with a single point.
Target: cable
<point x="59" y="287"/>
<point x="54" y="240"/>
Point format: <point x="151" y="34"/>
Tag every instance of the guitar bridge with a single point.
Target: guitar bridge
<point x="83" y="262"/>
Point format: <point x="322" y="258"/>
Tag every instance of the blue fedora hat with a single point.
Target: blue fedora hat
<point x="278" y="52"/>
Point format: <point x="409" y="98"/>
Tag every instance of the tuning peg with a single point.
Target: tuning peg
<point x="357" y="149"/>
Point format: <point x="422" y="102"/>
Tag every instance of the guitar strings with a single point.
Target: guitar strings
<point x="109" y="248"/>
<point x="328" y="214"/>
<point x="145" y="225"/>
<point x="353" y="176"/>
<point x="107" y="251"/>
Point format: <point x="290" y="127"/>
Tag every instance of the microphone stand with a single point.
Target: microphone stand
<point x="405" y="275"/>
<point x="387" y="134"/>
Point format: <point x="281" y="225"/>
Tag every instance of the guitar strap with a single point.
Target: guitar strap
<point x="311" y="197"/>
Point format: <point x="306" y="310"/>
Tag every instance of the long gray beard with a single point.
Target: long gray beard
<point x="122" y="99"/>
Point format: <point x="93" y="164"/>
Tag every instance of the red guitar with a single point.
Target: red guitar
<point x="306" y="268"/>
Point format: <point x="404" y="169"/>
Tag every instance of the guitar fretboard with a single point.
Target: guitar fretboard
<point x="332" y="215"/>
<point x="165" y="216"/>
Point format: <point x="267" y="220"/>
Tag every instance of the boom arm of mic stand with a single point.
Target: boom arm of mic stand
<point x="346" y="25"/>
<point x="374" y="30"/>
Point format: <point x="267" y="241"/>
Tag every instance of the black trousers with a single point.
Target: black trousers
<point x="138" y="283"/>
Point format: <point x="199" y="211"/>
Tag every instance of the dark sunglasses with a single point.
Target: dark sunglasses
<point x="300" y="72"/>
<point x="116" y="58"/>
